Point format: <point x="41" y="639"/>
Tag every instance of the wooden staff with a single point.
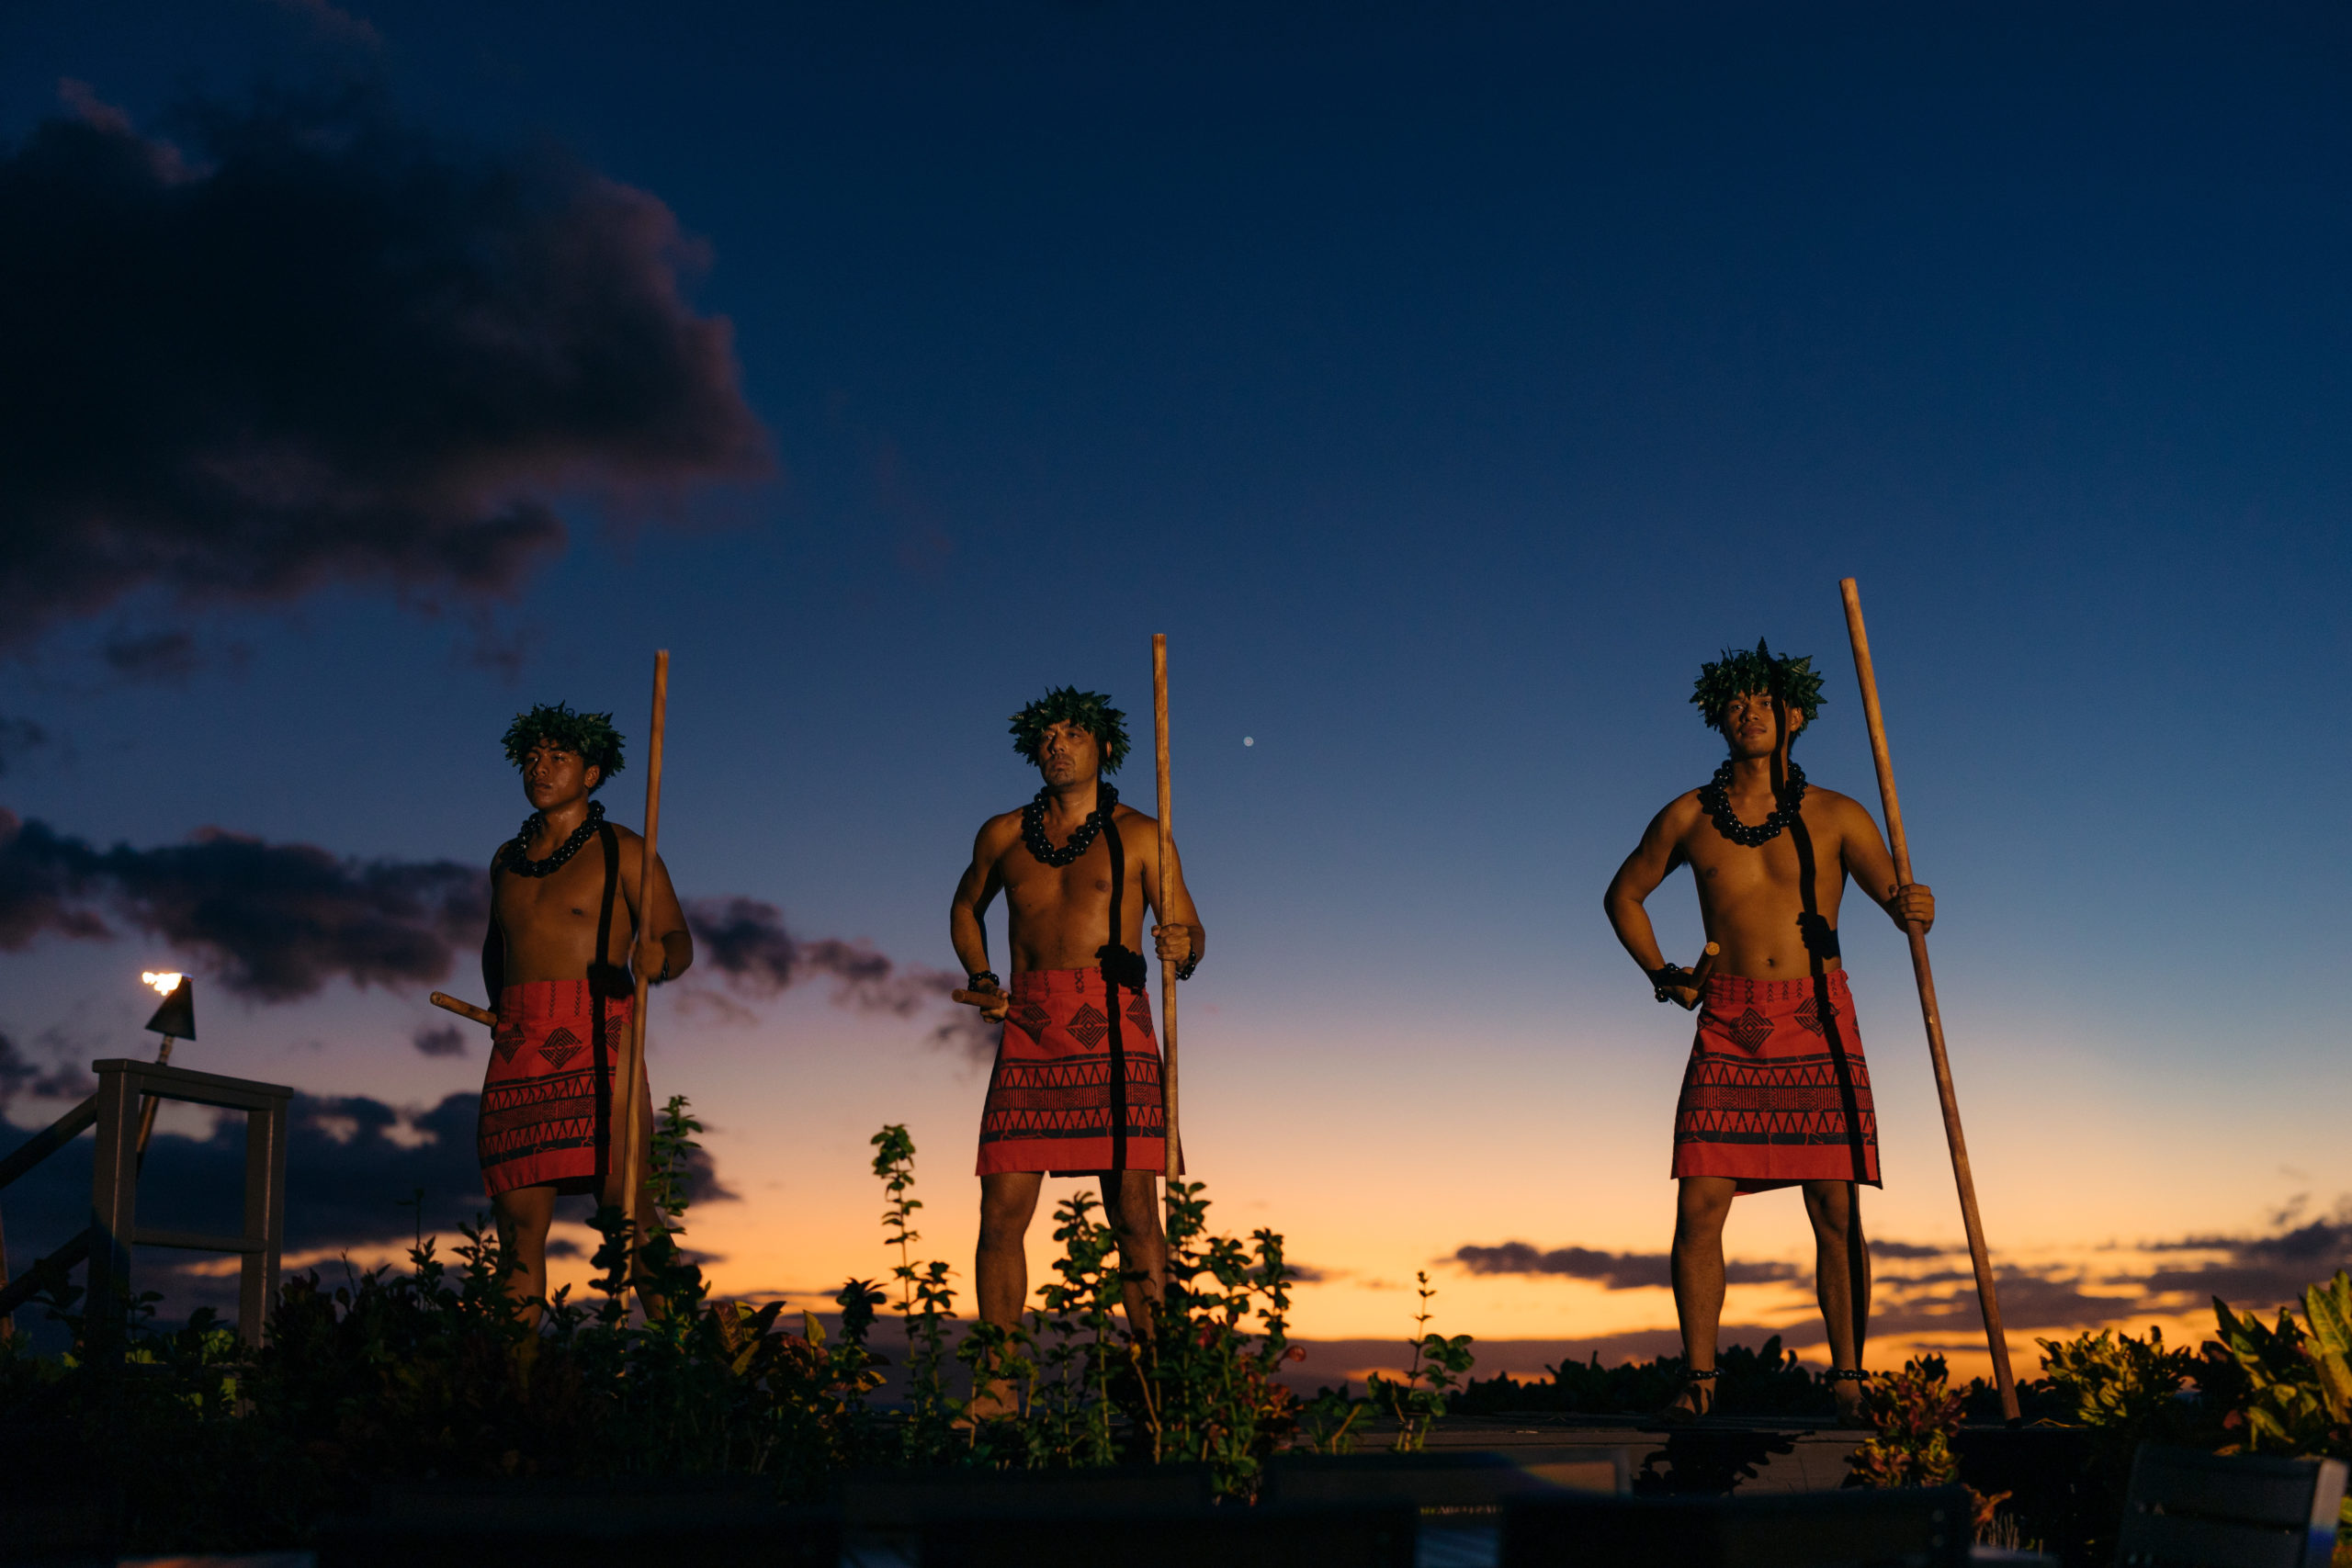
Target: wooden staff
<point x="1993" y="1336"/>
<point x="1167" y="897"/>
<point x="634" y="1118"/>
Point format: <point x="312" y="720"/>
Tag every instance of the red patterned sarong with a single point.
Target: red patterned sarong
<point x="547" y="1100"/>
<point x="1057" y="1100"/>
<point x="1776" y="1092"/>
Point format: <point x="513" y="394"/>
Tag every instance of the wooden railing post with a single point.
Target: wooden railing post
<point x="114" y="1203"/>
<point x="264" y="1217"/>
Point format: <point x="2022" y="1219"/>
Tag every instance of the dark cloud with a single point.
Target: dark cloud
<point x="60" y="1077"/>
<point x="440" y="1040"/>
<point x="276" y="920"/>
<point x="18" y="737"/>
<point x="2032" y="1298"/>
<point x="158" y="656"/>
<point x="747" y="942"/>
<point x="2262" y="1271"/>
<point x="303" y="342"/>
<point x="1617" y="1271"/>
<point x="1906" y="1250"/>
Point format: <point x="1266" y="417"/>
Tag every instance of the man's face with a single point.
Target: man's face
<point x="1752" y="725"/>
<point x="1069" y="753"/>
<point x="554" y="775"/>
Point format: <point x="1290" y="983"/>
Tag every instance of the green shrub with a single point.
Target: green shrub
<point x="428" y="1373"/>
<point x="1917" y="1414"/>
<point x="1770" y="1381"/>
<point x="2294" y="1396"/>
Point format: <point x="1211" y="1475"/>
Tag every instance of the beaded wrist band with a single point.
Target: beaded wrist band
<point x="1846" y="1374"/>
<point x="1710" y="1375"/>
<point x="1666" y="979"/>
<point x="976" y="976"/>
<point x="1184" y="970"/>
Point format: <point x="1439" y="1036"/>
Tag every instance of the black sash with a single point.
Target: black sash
<point x="605" y="980"/>
<point x="1121" y="966"/>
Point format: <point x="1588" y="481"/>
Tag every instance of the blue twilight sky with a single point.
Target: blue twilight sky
<point x="1447" y="383"/>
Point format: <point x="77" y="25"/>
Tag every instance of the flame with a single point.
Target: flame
<point x="164" y="982"/>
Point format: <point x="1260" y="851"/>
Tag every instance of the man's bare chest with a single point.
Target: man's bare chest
<point x="572" y="893"/>
<point x="1033" y="887"/>
<point x="1782" y="864"/>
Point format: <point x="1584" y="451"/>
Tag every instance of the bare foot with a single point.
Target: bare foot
<point x="1695" y="1398"/>
<point x="1853" y="1401"/>
<point x="992" y="1401"/>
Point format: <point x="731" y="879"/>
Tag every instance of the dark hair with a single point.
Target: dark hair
<point x="1789" y="680"/>
<point x="591" y="735"/>
<point x="1091" y="711"/>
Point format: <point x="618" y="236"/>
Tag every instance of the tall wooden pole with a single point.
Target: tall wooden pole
<point x="633" y="1069"/>
<point x="1994" y="1339"/>
<point x="1167" y="895"/>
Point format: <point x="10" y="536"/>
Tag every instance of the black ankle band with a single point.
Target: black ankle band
<point x="1846" y="1374"/>
<point x="1707" y="1376"/>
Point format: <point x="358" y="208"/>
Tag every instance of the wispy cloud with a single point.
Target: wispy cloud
<point x="1615" y="1271"/>
<point x="747" y="942"/>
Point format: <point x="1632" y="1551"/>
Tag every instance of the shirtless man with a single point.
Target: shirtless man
<point x="562" y="908"/>
<point x="1076" y="1087"/>
<point x="1777" y="1092"/>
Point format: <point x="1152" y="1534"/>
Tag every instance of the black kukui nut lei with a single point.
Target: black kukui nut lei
<point x="1033" y="827"/>
<point x="1714" y="799"/>
<point x="519" y="849"/>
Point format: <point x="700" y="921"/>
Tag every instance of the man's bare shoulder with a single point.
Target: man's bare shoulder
<point x="999" y="832"/>
<point x="1132" y="821"/>
<point x="1679" y="816"/>
<point x="1830" y="802"/>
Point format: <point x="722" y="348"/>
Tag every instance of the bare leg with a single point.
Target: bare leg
<point x="523" y="1216"/>
<point x="1699" y="1209"/>
<point x="1008" y="1202"/>
<point x="1132" y="1199"/>
<point x="1841" y="1267"/>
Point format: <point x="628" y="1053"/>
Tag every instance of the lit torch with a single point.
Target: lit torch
<point x="175" y="1019"/>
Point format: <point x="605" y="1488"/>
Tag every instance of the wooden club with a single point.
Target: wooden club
<point x="483" y="1016"/>
<point x="1994" y="1339"/>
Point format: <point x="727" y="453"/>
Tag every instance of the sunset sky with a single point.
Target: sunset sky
<point x="1447" y="382"/>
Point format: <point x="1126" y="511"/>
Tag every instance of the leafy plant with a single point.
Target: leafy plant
<point x="430" y="1373"/>
<point x="925" y="1307"/>
<point x="1917" y="1416"/>
<point x="1437" y="1364"/>
<point x="2296" y="1391"/>
<point x="1767" y="1382"/>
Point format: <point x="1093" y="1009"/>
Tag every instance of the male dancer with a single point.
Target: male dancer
<point x="1075" y="1088"/>
<point x="1777" y="1092"/>
<point x="556" y="964"/>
